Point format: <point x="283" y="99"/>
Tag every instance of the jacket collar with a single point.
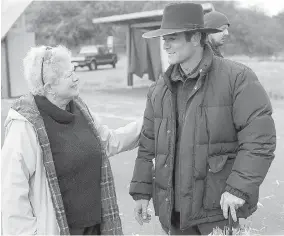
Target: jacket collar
<point x="179" y="75"/>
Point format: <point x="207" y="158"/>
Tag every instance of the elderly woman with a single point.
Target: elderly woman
<point x="56" y="174"/>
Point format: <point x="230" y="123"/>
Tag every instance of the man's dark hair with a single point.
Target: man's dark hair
<point x="203" y="39"/>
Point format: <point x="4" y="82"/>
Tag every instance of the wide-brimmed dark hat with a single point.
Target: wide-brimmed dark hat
<point x="181" y="17"/>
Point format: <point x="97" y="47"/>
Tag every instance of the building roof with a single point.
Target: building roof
<point x="145" y="18"/>
<point x="11" y="10"/>
<point x="131" y="18"/>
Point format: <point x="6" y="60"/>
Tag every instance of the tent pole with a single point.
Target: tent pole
<point x="128" y="52"/>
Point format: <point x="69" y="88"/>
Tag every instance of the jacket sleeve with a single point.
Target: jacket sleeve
<point x="119" y="140"/>
<point x="255" y="127"/>
<point x="18" y="165"/>
<point x="141" y="183"/>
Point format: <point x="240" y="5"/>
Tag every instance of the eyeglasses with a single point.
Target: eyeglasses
<point x="71" y="74"/>
<point x="46" y="49"/>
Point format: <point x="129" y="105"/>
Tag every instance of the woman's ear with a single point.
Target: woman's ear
<point x="48" y="88"/>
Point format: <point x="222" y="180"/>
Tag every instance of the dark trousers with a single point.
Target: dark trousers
<point x="201" y="229"/>
<point x="92" y="230"/>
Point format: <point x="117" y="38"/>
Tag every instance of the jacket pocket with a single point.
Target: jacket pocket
<point x="219" y="168"/>
<point x="159" y="199"/>
<point x="159" y="184"/>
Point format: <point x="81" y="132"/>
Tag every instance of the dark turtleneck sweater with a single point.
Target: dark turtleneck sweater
<point x="77" y="157"/>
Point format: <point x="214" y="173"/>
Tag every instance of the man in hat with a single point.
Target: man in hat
<point x="218" y="20"/>
<point x="208" y="126"/>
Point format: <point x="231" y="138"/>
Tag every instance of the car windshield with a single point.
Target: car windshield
<point x="89" y="49"/>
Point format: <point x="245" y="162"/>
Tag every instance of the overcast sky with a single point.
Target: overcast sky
<point x="271" y="7"/>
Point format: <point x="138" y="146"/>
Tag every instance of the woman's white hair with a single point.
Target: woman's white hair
<point x="51" y="60"/>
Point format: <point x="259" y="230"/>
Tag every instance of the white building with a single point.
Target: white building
<point x="15" y="42"/>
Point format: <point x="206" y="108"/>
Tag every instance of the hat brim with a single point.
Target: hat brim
<point x="163" y="32"/>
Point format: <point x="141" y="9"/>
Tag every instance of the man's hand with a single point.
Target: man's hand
<point x="141" y="211"/>
<point x="230" y="201"/>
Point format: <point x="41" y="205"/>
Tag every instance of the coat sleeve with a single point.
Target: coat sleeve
<point x="255" y="127"/>
<point x="118" y="140"/>
<point x="18" y="165"/>
<point x="141" y="183"/>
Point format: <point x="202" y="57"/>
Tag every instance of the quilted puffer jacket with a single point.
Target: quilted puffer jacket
<point x="227" y="143"/>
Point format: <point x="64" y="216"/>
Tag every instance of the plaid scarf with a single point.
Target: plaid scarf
<point x="110" y="222"/>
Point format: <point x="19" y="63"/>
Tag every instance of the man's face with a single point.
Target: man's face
<point x="177" y="48"/>
<point x="218" y="39"/>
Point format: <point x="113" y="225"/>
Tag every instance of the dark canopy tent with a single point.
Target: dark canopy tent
<point x="143" y="56"/>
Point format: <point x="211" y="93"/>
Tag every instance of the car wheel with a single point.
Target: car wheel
<point x="93" y="65"/>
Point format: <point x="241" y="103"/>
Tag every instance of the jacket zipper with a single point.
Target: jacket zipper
<point x="172" y="159"/>
<point x="195" y="90"/>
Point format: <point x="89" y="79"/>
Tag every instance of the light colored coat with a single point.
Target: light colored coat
<point x="27" y="206"/>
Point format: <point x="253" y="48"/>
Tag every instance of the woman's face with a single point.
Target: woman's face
<point x="67" y="86"/>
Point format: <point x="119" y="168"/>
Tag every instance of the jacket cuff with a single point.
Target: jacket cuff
<point x="139" y="196"/>
<point x="236" y="193"/>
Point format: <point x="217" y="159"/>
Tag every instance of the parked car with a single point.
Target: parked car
<point x="93" y="56"/>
